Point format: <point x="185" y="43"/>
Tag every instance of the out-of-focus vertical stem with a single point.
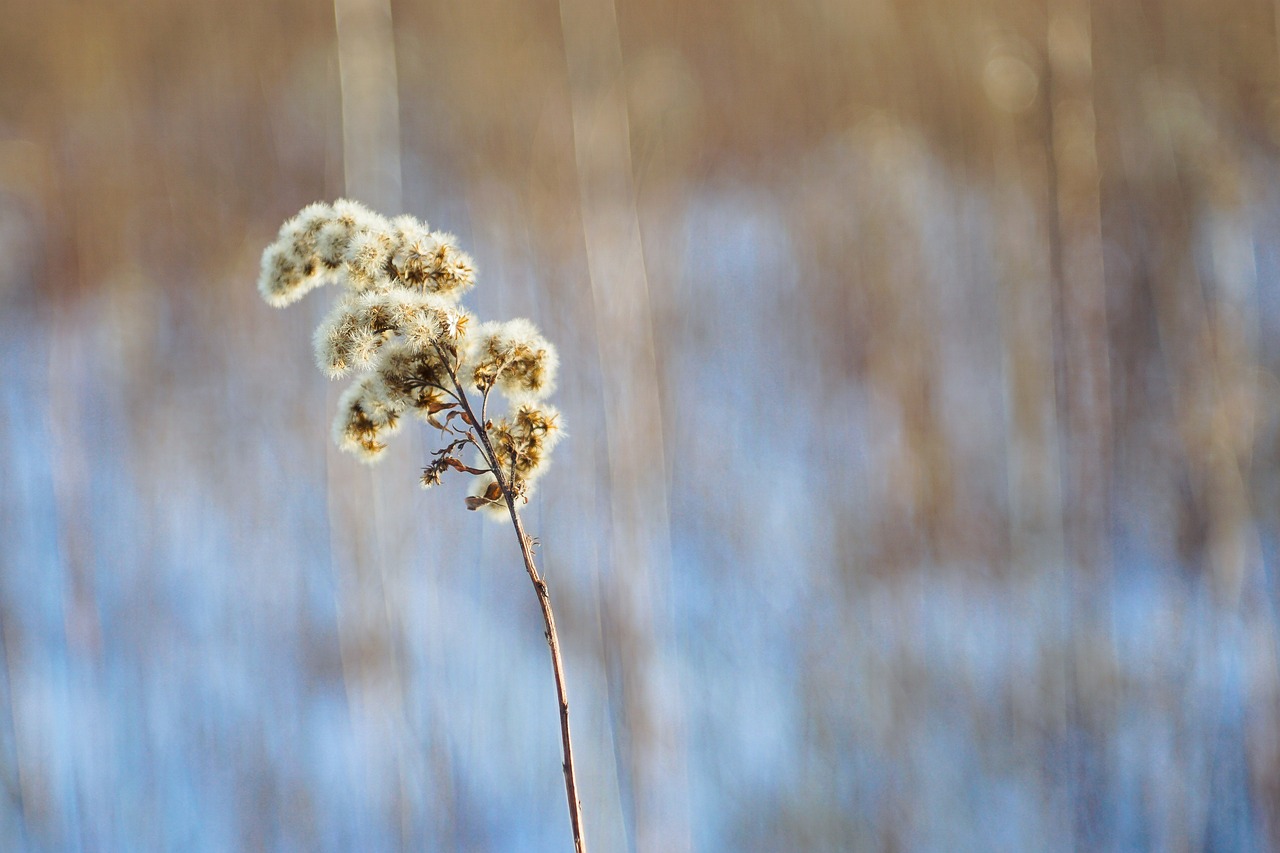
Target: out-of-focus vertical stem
<point x="371" y="173"/>
<point x="1206" y="316"/>
<point x="11" y="759"/>
<point x="1084" y="369"/>
<point x="1077" y="247"/>
<point x="1036" y="532"/>
<point x="370" y="102"/>
<point x="635" y="588"/>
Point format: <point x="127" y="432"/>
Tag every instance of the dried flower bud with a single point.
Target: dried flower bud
<point x="431" y="475"/>
<point x="416" y="376"/>
<point x="367" y="413"/>
<point x="488" y="496"/>
<point x="514" y="358"/>
<point x="352" y="334"/>
<point x="431" y="262"/>
<point x="291" y="266"/>
<point x="369" y="260"/>
<point x="452" y="270"/>
<point x="522" y="444"/>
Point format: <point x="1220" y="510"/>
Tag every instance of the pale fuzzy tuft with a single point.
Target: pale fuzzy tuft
<point x="515" y="358"/>
<point x="369" y="260"/>
<point x="280" y="281"/>
<point x="453" y="271"/>
<point x="401" y="321"/>
<point x="364" y="346"/>
<point x="522" y="443"/>
<point x="348" y="337"/>
<point x="367" y="413"/>
<point x="360" y="217"/>
<point x="360" y="325"/>
<point x="455" y="325"/>
<point x="417" y="377"/>
<point x="421" y="318"/>
<point x="291" y="266"/>
<point x="422" y="328"/>
<point x="331" y="344"/>
<point x="413" y="316"/>
<point x="407" y="229"/>
<point x="313" y="216"/>
<point x="358" y="240"/>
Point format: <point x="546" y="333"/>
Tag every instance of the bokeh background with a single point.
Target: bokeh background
<point x="920" y="365"/>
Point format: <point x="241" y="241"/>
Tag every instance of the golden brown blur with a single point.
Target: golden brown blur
<point x="919" y="365"/>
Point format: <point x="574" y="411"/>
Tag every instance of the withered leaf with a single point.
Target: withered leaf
<point x="457" y="465"/>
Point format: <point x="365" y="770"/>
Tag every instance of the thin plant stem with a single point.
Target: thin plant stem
<point x="544" y="601"/>
<point x="415" y="303"/>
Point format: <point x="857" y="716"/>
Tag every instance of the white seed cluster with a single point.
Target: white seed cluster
<point x="346" y="241"/>
<point x="399" y="323"/>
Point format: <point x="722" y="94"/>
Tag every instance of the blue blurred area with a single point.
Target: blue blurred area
<point x="919" y="369"/>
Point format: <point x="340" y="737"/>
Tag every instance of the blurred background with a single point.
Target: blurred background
<point x="920" y="369"/>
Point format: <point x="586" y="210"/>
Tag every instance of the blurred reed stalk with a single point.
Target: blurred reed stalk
<point x="369" y="621"/>
<point x="651" y="743"/>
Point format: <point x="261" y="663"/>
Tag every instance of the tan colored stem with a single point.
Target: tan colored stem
<point x="544" y="599"/>
<point x="548" y="618"/>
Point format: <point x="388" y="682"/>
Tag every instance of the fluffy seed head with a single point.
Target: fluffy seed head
<point x="452" y="270"/>
<point x="522" y="443"/>
<point x="332" y="343"/>
<point x="369" y="261"/>
<point x="419" y="377"/>
<point x="291" y="266"/>
<point x="515" y="358"/>
<point x="400" y="324"/>
<point x="368" y="412"/>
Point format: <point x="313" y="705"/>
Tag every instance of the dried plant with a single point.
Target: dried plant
<point x="400" y="324"/>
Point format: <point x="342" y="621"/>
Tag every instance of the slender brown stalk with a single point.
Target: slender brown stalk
<point x="544" y="601"/>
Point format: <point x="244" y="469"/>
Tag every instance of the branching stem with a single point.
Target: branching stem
<point x="544" y="601"/>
